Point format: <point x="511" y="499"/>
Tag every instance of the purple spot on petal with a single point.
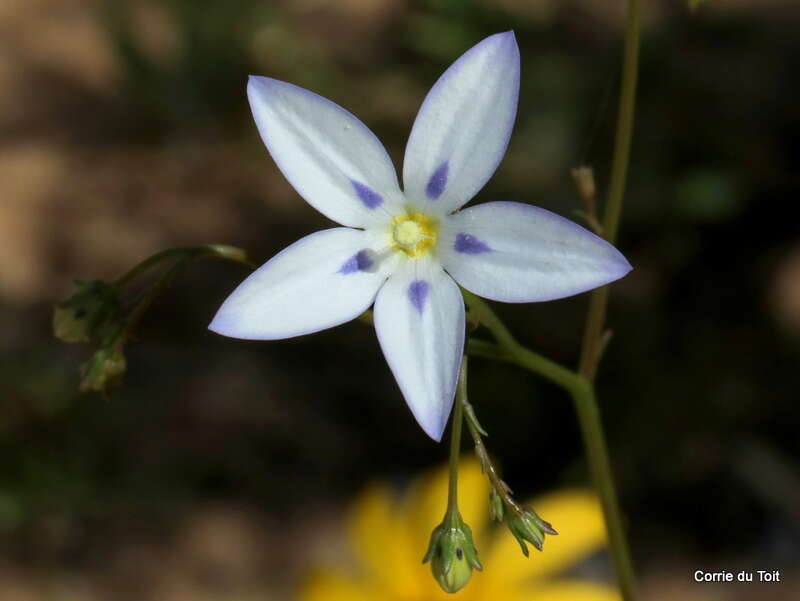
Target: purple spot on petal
<point x="437" y="182"/>
<point x="367" y="195"/>
<point x="361" y="261"/>
<point x="418" y="293"/>
<point x="470" y="245"/>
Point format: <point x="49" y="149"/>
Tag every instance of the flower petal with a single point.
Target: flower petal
<point x="383" y="545"/>
<point x="566" y="590"/>
<point x="517" y="253"/>
<point x="577" y="516"/>
<point x="462" y="129"/>
<point x="326" y="584"/>
<point x="419" y="319"/>
<point x="320" y="281"/>
<point x="330" y="157"/>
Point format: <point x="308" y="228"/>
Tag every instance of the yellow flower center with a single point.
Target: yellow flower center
<point x="414" y="233"/>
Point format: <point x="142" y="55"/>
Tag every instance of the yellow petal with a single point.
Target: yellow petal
<point x="380" y="538"/>
<point x="578" y="518"/>
<point x="426" y="502"/>
<point x="329" y="585"/>
<point x="566" y="591"/>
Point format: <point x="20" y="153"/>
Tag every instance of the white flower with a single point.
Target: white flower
<point x="409" y="250"/>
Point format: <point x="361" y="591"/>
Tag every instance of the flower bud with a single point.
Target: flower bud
<point x="452" y="553"/>
<point x="496" y="506"/>
<point x="584" y="180"/>
<point x="83" y="315"/>
<point x="527" y="526"/>
<point x="105" y="368"/>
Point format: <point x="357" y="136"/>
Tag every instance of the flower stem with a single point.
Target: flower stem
<point x="533" y="362"/>
<point x="600" y="467"/>
<point x="143" y="304"/>
<point x="219" y="251"/>
<point x="582" y="391"/>
<point x="487" y="465"/>
<point x="455" y="438"/>
<point x="595" y="322"/>
<point x="584" y="397"/>
<point x="484" y="314"/>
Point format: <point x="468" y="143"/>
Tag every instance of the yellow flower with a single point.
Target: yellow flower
<point x="390" y="535"/>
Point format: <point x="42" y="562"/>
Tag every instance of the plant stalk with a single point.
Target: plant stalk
<point x="219" y="251"/>
<point x="600" y="467"/>
<point x="582" y="392"/>
<point x="455" y="438"/>
<point x="584" y="398"/>
<point x="595" y="322"/>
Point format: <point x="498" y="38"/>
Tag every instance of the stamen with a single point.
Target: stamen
<point x="414" y="233"/>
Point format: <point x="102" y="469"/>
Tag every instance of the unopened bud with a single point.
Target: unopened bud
<point x="528" y="527"/>
<point x="584" y="181"/>
<point x="452" y="553"/>
<point x="104" y="368"/>
<point x="496" y="506"/>
<point x="82" y="316"/>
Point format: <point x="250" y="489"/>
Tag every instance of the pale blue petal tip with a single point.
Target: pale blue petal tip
<point x="435" y="433"/>
<point x="216" y="327"/>
<point x="223" y="325"/>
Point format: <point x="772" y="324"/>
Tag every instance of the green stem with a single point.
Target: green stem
<point x="155" y="289"/>
<point x="487" y="465"/>
<point x="582" y="391"/>
<point x="592" y="333"/>
<point x="483" y="313"/>
<point x="624" y="133"/>
<point x="600" y="468"/>
<point x="526" y="358"/>
<point x="219" y="251"/>
<point x="595" y="322"/>
<point x="584" y="398"/>
<point x="508" y="349"/>
<point x="455" y="439"/>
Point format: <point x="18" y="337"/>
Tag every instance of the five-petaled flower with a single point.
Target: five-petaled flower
<point x="409" y="250"/>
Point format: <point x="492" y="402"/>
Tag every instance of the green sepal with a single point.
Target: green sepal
<point x="452" y="553"/>
<point x="526" y="526"/>
<point x="496" y="506"/>
<point x="85" y="315"/>
<point x="105" y="368"/>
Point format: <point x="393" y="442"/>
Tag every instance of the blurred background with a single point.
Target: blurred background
<point x="221" y="469"/>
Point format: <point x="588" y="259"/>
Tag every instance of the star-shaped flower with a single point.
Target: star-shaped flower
<point x="409" y="250"/>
